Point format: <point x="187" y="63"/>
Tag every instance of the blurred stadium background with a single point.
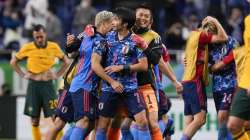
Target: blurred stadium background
<point x="173" y="20"/>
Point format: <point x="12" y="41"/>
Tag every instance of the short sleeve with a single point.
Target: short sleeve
<point x="228" y="58"/>
<point x="205" y="38"/>
<point x="165" y="54"/>
<point x="100" y="47"/>
<point x="140" y="42"/>
<point x="58" y="52"/>
<point x="23" y="52"/>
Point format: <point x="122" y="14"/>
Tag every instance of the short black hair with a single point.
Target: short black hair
<point x="38" y="28"/>
<point x="145" y="6"/>
<point x="126" y="15"/>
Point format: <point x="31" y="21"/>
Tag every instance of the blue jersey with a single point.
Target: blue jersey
<point x="85" y="78"/>
<point x="225" y="78"/>
<point x="121" y="52"/>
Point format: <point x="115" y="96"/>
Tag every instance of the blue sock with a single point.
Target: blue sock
<point x="101" y="134"/>
<point x="126" y="134"/>
<point x="143" y="133"/>
<point x="162" y="125"/>
<point x="224" y="134"/>
<point x="229" y="135"/>
<point x="133" y="131"/>
<point x="184" y="137"/>
<point x="68" y="133"/>
<point x="78" y="133"/>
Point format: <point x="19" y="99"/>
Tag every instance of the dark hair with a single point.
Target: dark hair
<point x="38" y="28"/>
<point x="147" y="7"/>
<point x="126" y="15"/>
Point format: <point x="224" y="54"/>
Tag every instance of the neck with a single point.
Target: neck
<point x="123" y="33"/>
<point x="100" y="30"/>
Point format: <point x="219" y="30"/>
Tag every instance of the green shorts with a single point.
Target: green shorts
<point x="40" y="95"/>
<point x="241" y="105"/>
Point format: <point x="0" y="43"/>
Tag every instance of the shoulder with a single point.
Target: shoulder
<point x="28" y="46"/>
<point x="139" y="41"/>
<point x="52" y="44"/>
<point x="154" y="34"/>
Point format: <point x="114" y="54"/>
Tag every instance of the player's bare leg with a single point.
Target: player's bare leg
<point x="236" y="126"/>
<point x="198" y="121"/>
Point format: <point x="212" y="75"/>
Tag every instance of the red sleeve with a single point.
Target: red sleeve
<point x="228" y="58"/>
<point x="139" y="41"/>
<point x="205" y="38"/>
<point x="165" y="54"/>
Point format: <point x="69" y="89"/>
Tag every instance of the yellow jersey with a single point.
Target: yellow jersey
<point x="246" y="33"/>
<point x="191" y="52"/>
<point x="242" y="61"/>
<point x="40" y="59"/>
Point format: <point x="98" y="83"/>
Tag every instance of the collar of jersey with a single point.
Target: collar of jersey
<point x="126" y="37"/>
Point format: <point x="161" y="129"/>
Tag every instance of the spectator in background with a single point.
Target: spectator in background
<point x="174" y="37"/>
<point x="35" y="12"/>
<point x="235" y="23"/>
<point x="190" y="24"/>
<point x="11" y="25"/>
<point x="81" y="21"/>
<point x="54" y="27"/>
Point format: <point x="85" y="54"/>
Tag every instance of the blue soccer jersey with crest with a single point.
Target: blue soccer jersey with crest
<point x="122" y="52"/>
<point x="85" y="77"/>
<point x="225" y="78"/>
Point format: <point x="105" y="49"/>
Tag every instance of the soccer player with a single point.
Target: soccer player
<point x="246" y="33"/>
<point x="40" y="55"/>
<point x="123" y="60"/>
<point x="166" y="123"/>
<point x="147" y="81"/>
<point x="83" y="88"/>
<point x="64" y="111"/>
<point x="223" y="82"/>
<point x="238" y="122"/>
<point x="195" y="76"/>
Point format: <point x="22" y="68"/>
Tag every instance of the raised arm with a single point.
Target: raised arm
<point x="221" y="36"/>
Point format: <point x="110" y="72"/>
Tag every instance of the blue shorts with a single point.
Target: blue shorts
<point x="65" y="109"/>
<point x="223" y="99"/>
<point x="164" y="104"/>
<point x="85" y="104"/>
<point x="194" y="96"/>
<point x="110" y="101"/>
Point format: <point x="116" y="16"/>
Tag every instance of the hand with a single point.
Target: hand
<point x="70" y="39"/>
<point x="27" y="75"/>
<point x="114" y="68"/>
<point x="178" y="87"/>
<point x="51" y="75"/>
<point x="117" y="86"/>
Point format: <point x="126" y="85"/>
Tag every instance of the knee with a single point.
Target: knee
<point x="233" y="127"/>
<point x="222" y="118"/>
<point x="83" y="123"/>
<point x="103" y="122"/>
<point x="200" y="121"/>
<point x="142" y="121"/>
